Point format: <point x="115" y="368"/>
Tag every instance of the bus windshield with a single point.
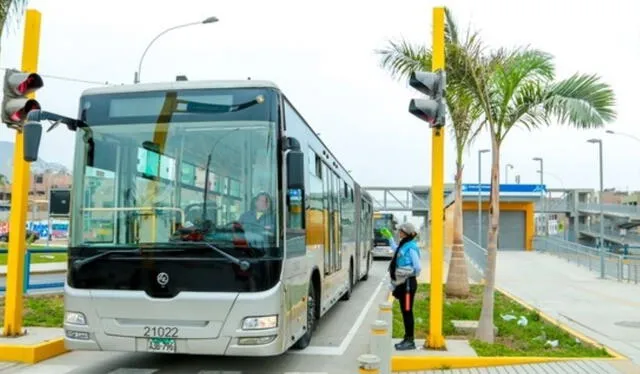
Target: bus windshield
<point x="155" y="168"/>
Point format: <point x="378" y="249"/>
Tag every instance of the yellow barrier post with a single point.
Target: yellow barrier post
<point x="436" y="304"/>
<point x="20" y="194"/>
<point x="369" y="364"/>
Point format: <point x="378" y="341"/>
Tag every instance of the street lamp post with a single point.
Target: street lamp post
<point x="480" y="152"/>
<point x="506" y="173"/>
<point x="136" y="78"/>
<point x="599" y="142"/>
<point x="542" y="200"/>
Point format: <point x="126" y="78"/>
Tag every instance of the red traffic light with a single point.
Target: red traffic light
<point x="32" y="83"/>
<point x="21" y="114"/>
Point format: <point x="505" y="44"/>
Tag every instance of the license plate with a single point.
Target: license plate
<point x="162" y="345"/>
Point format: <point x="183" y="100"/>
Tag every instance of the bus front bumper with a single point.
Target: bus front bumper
<point x="191" y="323"/>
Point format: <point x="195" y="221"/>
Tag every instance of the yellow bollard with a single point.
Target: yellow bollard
<point x="380" y="345"/>
<point x="369" y="364"/>
<point x="385" y="313"/>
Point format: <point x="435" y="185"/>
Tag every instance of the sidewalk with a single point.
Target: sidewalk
<point x="535" y="278"/>
<point x="603" y="310"/>
<point x="44" y="268"/>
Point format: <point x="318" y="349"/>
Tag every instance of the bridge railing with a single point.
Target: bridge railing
<point x="631" y="210"/>
<point x="620" y="267"/>
<point x="594" y="229"/>
<point x="555" y="204"/>
<point x="27" y="285"/>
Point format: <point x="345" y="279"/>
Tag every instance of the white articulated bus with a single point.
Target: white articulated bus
<point x="207" y="218"/>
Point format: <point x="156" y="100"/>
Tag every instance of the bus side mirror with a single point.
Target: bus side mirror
<point x="295" y="170"/>
<point x="31" y="135"/>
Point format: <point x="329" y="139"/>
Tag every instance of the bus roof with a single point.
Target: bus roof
<point x="180" y="85"/>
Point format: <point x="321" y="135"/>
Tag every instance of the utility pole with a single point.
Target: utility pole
<point x="433" y="111"/>
<point x="15" y="111"/>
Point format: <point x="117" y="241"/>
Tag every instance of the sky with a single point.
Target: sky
<point x="321" y="54"/>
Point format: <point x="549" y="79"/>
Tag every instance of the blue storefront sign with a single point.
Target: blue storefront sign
<point x="505" y="189"/>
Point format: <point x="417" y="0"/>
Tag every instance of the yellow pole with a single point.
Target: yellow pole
<point x="436" y="304"/>
<point x="20" y="194"/>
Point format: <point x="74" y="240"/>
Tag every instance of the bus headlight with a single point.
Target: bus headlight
<point x="75" y="318"/>
<point x="260" y="323"/>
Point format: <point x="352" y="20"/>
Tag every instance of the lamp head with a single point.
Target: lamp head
<point x="210" y="20"/>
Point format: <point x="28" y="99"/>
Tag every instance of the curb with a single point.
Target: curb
<point x="418" y="363"/>
<point x="31" y="354"/>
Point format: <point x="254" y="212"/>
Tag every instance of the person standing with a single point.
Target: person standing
<point x="404" y="269"/>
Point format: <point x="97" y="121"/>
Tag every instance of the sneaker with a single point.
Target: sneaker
<point x="405" y="345"/>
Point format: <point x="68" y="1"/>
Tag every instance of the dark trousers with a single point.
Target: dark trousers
<point x="406" y="306"/>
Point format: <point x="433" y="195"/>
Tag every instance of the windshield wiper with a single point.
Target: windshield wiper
<point x="243" y="264"/>
<point x="77" y="264"/>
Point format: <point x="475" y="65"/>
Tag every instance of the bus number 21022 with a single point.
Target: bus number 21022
<point x="160" y="332"/>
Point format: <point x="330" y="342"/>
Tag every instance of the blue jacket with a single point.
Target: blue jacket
<point x="408" y="256"/>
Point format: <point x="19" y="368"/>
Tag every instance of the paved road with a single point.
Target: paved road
<point x="336" y="344"/>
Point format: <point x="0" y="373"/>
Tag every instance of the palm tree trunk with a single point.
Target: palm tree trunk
<point x="485" y="330"/>
<point x="457" y="277"/>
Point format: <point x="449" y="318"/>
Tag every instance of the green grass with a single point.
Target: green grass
<point x="40" y="311"/>
<point x="511" y="340"/>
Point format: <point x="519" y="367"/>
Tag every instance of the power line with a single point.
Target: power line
<point x="106" y="83"/>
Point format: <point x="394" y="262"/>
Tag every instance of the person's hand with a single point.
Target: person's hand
<point x="386" y="233"/>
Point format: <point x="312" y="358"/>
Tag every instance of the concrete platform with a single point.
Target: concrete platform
<point x="38" y="344"/>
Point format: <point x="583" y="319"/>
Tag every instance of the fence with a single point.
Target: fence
<point x="620" y="267"/>
<point x="26" y="286"/>
<point x="476" y="255"/>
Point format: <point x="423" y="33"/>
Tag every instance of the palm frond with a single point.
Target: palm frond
<point x="401" y="58"/>
<point x="583" y="101"/>
<point x="11" y="9"/>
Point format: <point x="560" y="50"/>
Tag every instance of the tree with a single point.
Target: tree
<point x="518" y="88"/>
<point x="401" y="59"/>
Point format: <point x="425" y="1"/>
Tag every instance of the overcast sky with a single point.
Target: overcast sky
<point x="321" y="55"/>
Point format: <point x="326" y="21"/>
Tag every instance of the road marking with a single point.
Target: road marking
<point x="339" y="350"/>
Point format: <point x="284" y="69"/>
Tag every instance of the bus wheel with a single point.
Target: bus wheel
<point x="305" y="340"/>
<point x="366" y="275"/>
<point x="347" y="295"/>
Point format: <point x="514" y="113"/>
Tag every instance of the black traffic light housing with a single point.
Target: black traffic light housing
<point x="15" y="103"/>
<point x="432" y="84"/>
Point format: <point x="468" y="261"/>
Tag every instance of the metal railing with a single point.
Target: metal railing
<point x="629" y="210"/>
<point x="26" y="285"/>
<point x="593" y="229"/>
<point x="476" y="255"/>
<point x="620" y="267"/>
<point x="553" y="205"/>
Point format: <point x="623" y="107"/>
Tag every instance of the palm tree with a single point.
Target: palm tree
<point x="518" y="88"/>
<point x="403" y="58"/>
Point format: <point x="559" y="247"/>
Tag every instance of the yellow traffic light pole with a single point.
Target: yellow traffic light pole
<point x="20" y="194"/>
<point x="436" y="304"/>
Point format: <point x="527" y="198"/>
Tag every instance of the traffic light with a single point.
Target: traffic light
<point x="433" y="109"/>
<point x="15" y="103"/>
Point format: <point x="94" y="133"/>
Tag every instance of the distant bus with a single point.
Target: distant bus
<point x="207" y="218"/>
<point x="381" y="246"/>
